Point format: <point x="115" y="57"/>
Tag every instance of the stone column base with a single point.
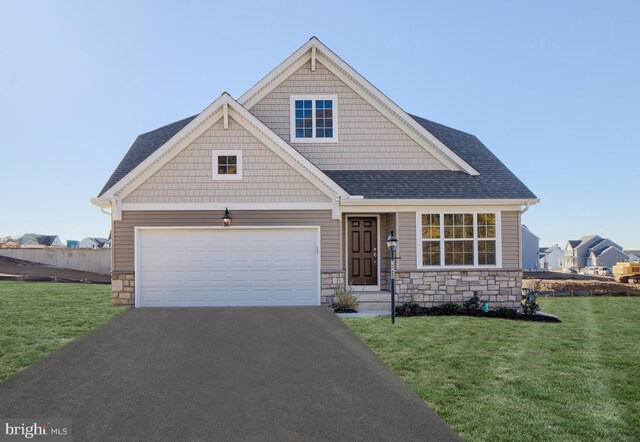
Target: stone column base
<point x="329" y="282"/>
<point x="122" y="288"/>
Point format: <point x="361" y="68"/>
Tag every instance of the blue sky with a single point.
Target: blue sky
<point x="551" y="87"/>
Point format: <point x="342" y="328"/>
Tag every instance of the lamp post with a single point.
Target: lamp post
<point x="392" y="244"/>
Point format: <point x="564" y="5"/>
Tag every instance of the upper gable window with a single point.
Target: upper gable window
<point x="227" y="165"/>
<point x="314" y="118"/>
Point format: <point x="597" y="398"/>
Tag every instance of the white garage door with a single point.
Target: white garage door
<point x="227" y="267"/>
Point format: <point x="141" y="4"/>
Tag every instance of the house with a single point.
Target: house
<point x="290" y="191"/>
<point x="586" y="252"/>
<point x="73" y="244"/>
<point x="549" y="257"/>
<point x="634" y="255"/>
<point x="93" y="243"/>
<point x="37" y="240"/>
<point x="530" y="248"/>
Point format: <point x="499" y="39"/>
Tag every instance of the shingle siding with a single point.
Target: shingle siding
<point x="367" y="139"/>
<point x="187" y="178"/>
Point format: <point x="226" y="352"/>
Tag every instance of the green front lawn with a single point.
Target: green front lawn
<point x="38" y="318"/>
<point x="496" y="379"/>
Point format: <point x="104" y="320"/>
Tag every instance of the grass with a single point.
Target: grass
<point x="496" y="379"/>
<point x="38" y="318"/>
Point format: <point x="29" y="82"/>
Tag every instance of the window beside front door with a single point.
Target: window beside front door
<point x="227" y="165"/>
<point x="458" y="239"/>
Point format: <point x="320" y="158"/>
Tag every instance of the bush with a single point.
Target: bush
<point x="505" y="312"/>
<point x="411" y="308"/>
<point x="473" y="304"/>
<point x="448" y="308"/>
<point x="344" y="300"/>
<point x="530" y="304"/>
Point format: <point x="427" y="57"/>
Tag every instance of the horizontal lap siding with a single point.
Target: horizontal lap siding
<point x="407" y="240"/>
<point x="511" y="240"/>
<point x="123" y="231"/>
<point x="365" y="136"/>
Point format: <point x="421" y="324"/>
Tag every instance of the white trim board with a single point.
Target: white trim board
<point x="212" y="114"/>
<point x="364" y="89"/>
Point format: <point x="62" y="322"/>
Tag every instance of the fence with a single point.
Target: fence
<point x="87" y="260"/>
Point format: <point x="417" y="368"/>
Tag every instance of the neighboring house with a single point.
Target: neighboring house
<point x="549" y="257"/>
<point x="634" y="255"/>
<point x="585" y="251"/>
<point x="316" y="167"/>
<point x="530" y="248"/>
<point x="607" y="257"/>
<point x="37" y="240"/>
<point x="73" y="244"/>
<point x="93" y="243"/>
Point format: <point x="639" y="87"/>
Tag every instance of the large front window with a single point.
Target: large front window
<point x="313" y="118"/>
<point x="459" y="239"/>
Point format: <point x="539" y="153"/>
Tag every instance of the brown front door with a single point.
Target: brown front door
<point x="363" y="251"/>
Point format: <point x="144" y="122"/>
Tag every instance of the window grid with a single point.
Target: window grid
<point x="227" y="164"/>
<point x="314" y="118"/>
<point x="459" y="239"/>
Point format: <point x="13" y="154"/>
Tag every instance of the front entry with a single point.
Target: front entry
<point x="362" y="251"/>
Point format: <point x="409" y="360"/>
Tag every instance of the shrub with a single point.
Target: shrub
<point x="410" y="308"/>
<point x="505" y="312"/>
<point x="473" y="304"/>
<point x="530" y="304"/>
<point x="448" y="308"/>
<point x="344" y="300"/>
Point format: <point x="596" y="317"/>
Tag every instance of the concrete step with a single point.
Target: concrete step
<point x="374" y="307"/>
<point x="374" y="297"/>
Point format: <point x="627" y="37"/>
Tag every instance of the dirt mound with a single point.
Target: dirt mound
<point x="597" y="286"/>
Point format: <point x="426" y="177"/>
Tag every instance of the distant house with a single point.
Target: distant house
<point x="37" y="240"/>
<point x="530" y="248"/>
<point x="592" y="251"/>
<point x="634" y="255"/>
<point x="73" y="244"/>
<point x="549" y="257"/>
<point x="93" y="243"/>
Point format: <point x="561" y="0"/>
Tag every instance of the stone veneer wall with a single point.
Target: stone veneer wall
<point x="122" y="288"/>
<point x="502" y="288"/>
<point x="329" y="282"/>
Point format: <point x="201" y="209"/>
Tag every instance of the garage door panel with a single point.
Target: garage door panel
<point x="226" y="267"/>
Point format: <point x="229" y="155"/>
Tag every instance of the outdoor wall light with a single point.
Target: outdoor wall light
<point x="226" y="219"/>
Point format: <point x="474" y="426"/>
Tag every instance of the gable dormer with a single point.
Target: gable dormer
<point x="339" y="121"/>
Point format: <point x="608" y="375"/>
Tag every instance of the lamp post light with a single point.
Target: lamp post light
<point x="226" y="219"/>
<point x="392" y="244"/>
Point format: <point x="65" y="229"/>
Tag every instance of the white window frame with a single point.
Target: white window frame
<point x="475" y="265"/>
<point x="214" y="165"/>
<point x="313" y="98"/>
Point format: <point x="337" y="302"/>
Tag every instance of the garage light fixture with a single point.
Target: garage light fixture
<point x="226" y="219"/>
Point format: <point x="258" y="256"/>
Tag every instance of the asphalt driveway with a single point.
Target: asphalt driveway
<point x="222" y="374"/>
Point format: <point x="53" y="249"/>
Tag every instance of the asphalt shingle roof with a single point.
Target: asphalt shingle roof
<point x="495" y="181"/>
<point x="142" y="147"/>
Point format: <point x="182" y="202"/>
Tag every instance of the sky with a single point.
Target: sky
<point x="552" y="88"/>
